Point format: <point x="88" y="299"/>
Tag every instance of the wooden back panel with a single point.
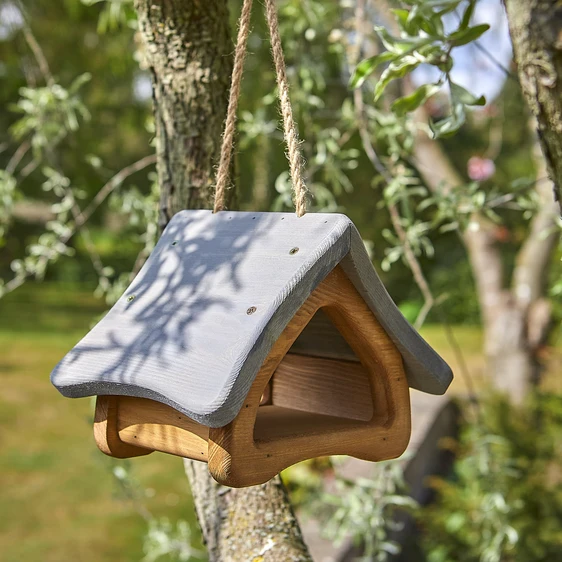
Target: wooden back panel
<point x="323" y="386"/>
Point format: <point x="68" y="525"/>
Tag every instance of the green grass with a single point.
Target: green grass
<point x="59" y="499"/>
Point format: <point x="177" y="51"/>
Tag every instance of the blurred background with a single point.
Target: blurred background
<point x="462" y="229"/>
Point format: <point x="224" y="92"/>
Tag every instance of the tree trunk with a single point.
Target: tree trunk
<point x="188" y="49"/>
<point x="536" y="33"/>
<point x="516" y="318"/>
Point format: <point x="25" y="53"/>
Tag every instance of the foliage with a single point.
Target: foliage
<point x="317" y="94"/>
<point x="49" y="113"/>
<point x="364" y="509"/>
<point x="424" y="40"/>
<point x="163" y="539"/>
<point x="505" y="500"/>
<point x="350" y="146"/>
<point x="7" y="191"/>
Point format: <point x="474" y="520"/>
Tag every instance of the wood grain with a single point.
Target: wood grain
<point x="105" y="430"/>
<point x="275" y="423"/>
<point x="189" y="315"/>
<point x="147" y="423"/>
<point x="323" y="386"/>
<point x="320" y="338"/>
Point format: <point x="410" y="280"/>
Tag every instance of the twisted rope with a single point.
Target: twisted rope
<point x="294" y="155"/>
<point x="289" y="128"/>
<point x="223" y="173"/>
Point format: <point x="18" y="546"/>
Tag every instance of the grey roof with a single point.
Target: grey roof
<point x="181" y="333"/>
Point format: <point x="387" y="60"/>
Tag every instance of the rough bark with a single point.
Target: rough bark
<point x="188" y="49"/>
<point x="536" y="33"/>
<point x="255" y="524"/>
<point x="516" y="315"/>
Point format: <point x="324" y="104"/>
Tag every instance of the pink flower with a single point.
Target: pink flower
<point x="480" y="169"/>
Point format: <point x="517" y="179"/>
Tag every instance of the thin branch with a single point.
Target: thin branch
<point x="459" y="357"/>
<point x="112" y="184"/>
<point x="311" y="170"/>
<point x="142" y="256"/>
<point x="17" y="157"/>
<point x="83" y="216"/>
<point x="411" y="259"/>
<point x="507" y="197"/>
<point x="35" y="48"/>
<point x="495" y="61"/>
<point x="29" y="168"/>
<point x="534" y="256"/>
<point x="86" y="236"/>
<point x="495" y="139"/>
<point x="377" y="164"/>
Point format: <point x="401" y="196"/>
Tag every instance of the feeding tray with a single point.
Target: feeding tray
<point x="252" y="341"/>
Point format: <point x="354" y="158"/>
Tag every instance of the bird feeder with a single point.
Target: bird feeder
<point x="252" y="341"/>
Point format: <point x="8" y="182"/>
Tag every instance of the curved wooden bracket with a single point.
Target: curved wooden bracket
<point x="106" y="430"/>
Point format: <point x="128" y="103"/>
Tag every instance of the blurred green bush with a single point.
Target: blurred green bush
<point x="504" y="501"/>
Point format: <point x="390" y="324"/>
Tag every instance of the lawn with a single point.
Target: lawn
<point x="60" y="500"/>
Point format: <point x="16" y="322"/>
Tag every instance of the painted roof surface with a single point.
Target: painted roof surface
<point x="181" y="334"/>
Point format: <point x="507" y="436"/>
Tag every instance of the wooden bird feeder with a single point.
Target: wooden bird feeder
<point x="252" y="341"/>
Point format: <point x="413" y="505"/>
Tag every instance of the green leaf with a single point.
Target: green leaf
<point x="436" y="22"/>
<point x="365" y="68"/>
<point x="467" y="15"/>
<point x="460" y="95"/>
<point x="450" y="125"/>
<point x="464" y="36"/>
<point x="402" y="17"/>
<point x="397" y="69"/>
<point x="79" y="82"/>
<point x="399" y="46"/>
<point x="409" y="103"/>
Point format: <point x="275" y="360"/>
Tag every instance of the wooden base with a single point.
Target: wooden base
<point x="299" y="407"/>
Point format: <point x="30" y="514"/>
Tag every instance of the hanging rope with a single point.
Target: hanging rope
<point x="223" y="173"/>
<point x="289" y="128"/>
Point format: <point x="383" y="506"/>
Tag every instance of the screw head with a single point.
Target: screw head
<point x="251" y="310"/>
<point x="131" y="298"/>
<point x="293" y="251"/>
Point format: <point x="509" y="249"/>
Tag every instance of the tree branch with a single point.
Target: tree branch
<point x="82" y="218"/>
<point x="529" y="276"/>
<point x="536" y="34"/>
<point x="479" y="238"/>
<point x="381" y="169"/>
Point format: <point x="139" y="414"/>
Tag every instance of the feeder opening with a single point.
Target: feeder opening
<point x="320" y="386"/>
